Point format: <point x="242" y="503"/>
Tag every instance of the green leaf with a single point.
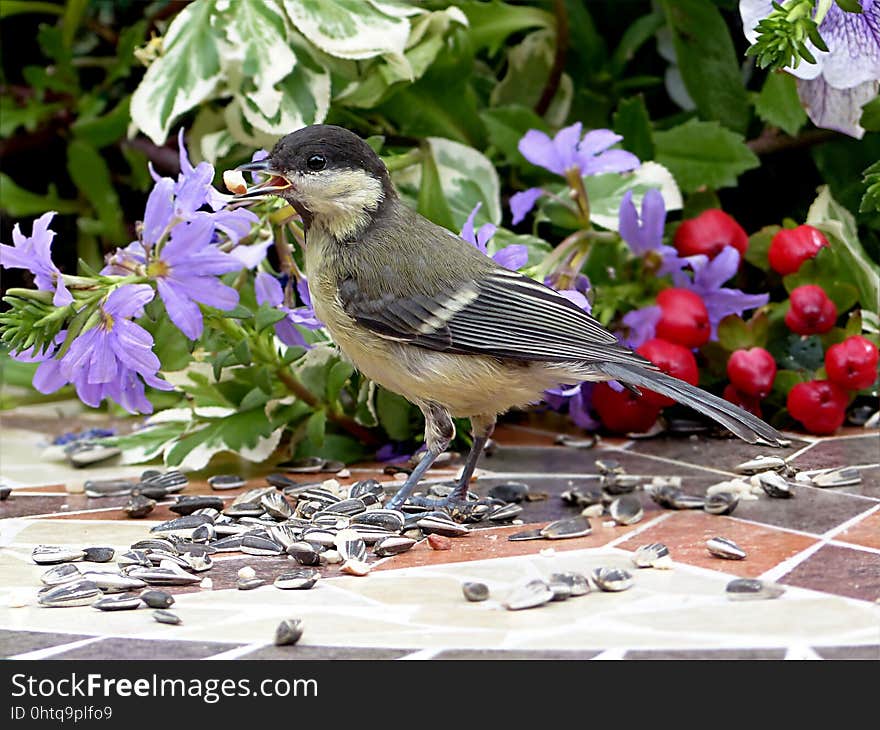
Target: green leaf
<point x="267" y="315"/>
<point x="70" y="22"/>
<point x="606" y="192"/>
<point x="734" y="334"/>
<point x="243" y="432"/>
<point x="254" y="398"/>
<point x="393" y="411"/>
<point x="491" y="23"/>
<point x="314" y="367"/>
<point x="839" y="226"/>
<point x="18" y="202"/>
<point x="147" y="443"/>
<point x="779" y="104"/>
<point x="507" y="125"/>
<point x="171" y="346"/>
<point x="638" y="32"/>
<point x="104" y="130"/>
<point x="316" y="426"/>
<point x="18" y="7"/>
<point x="708" y="62"/>
<point x="786" y="380"/>
<point x="339" y="373"/>
<point x="186" y="74"/>
<point x="90" y="174"/>
<point x="30" y="116"/>
<point x="829" y="271"/>
<point x="242" y="352"/>
<point x="631" y="120"/>
<point x="870" y="118"/>
<point x="703" y="154"/>
<point x="850" y="6"/>
<point x="759" y="247"/>
<point x="335" y="447"/>
<point x="432" y="202"/>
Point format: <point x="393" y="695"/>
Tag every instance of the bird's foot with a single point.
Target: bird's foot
<point x="459" y="508"/>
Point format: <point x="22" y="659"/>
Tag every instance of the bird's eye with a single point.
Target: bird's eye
<point x="316" y="162"/>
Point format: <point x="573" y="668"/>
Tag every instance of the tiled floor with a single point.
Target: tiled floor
<point x="823" y="546"/>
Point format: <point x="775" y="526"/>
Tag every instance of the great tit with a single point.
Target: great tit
<point x="426" y="315"/>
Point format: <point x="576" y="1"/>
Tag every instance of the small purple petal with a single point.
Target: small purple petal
<point x="128" y="300"/>
<point x="159" y="210"/>
<point x="540" y="150"/>
<point x="576" y="298"/>
<point x="611" y="161"/>
<point x="467" y="230"/>
<point x="513" y="257"/>
<point x="48" y="377"/>
<point x="182" y="311"/>
<point x="642" y="325"/>
<point x="521" y="203"/>
<point x="251" y="256"/>
<point x="268" y="290"/>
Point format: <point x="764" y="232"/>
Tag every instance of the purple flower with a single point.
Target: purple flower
<point x="269" y="291"/>
<point x="34" y="253"/>
<point x="521" y="203"/>
<point x="589" y="155"/>
<point x="641" y="325"/>
<point x="578" y="399"/>
<point x="844" y="78"/>
<point x="708" y="277"/>
<point x="647" y="238"/>
<point x="48" y="377"/>
<point x="115" y="358"/>
<point x="186" y="271"/>
<point x="394" y="452"/>
<point x="513" y="257"/>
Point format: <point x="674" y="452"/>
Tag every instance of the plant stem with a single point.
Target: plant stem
<point x="561" y="51"/>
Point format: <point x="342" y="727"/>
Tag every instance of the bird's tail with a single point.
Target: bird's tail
<point x="745" y="425"/>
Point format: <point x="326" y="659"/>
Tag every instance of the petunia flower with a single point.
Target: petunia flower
<point x="115" y="358"/>
<point x="269" y="291"/>
<point x="708" y="277"/>
<point x="34" y="253"/>
<point x="843" y="78"/>
<point x="513" y="257"/>
<point x="644" y="235"/>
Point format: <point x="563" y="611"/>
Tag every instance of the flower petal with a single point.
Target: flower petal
<point x="159" y="210"/>
<point x="611" y="161"/>
<point x="467" y="230"/>
<point x="48" y="378"/>
<point x="128" y="300"/>
<point x="182" y="310"/>
<point x="512" y="257"/>
<point x="596" y="141"/>
<point x="522" y="203"/>
<point x="268" y="289"/>
<point x="540" y="150"/>
<point x="837" y="109"/>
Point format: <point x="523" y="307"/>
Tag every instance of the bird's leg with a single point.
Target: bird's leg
<point x="482" y="427"/>
<point x="439" y="432"/>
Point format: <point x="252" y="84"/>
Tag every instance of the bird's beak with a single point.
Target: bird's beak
<point x="274" y="183"/>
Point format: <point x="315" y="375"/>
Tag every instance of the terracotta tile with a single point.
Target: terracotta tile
<point x="840" y="570"/>
<point x="865" y="533"/>
<point x="834" y="452"/>
<point x="493" y="543"/>
<point x="685" y="534"/>
<point x="716" y="453"/>
<point x="25" y="506"/>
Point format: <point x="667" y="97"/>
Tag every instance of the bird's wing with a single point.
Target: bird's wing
<point x="501" y="314"/>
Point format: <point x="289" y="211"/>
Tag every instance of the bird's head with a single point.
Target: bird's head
<point x="329" y="175"/>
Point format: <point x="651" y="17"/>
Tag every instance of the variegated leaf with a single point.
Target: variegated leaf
<point x="606" y="192"/>
<point x="186" y="74"/>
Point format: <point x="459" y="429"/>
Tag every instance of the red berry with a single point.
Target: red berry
<point x="672" y="359"/>
<point x="685" y="320"/>
<point x="752" y="372"/>
<point x="811" y="311"/>
<point x="792" y="246"/>
<point x="852" y="364"/>
<point x="623" y="412"/>
<point x="709" y="233"/>
<point x="747" y="402"/>
<point x="819" y="405"/>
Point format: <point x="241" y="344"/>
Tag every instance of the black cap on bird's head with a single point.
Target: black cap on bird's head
<point x="323" y="171"/>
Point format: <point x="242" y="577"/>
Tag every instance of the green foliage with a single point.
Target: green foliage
<point x="778" y="103"/>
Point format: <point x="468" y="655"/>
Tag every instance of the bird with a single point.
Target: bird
<point x="426" y="315"/>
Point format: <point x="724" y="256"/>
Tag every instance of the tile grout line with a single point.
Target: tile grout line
<point x="57" y="649"/>
<point x="648" y="525"/>
<point x="422" y="654"/>
<point x="237" y="652"/>
<point x="788" y="565"/>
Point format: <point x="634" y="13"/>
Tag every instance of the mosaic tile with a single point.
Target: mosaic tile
<point x="841" y="452"/>
<point x="21" y="642"/>
<point x="866" y="532"/>
<point x="840" y="570"/>
<point x="300" y="652"/>
<point x="506" y="655"/>
<point x="120" y="648"/>
<point x="848" y="652"/>
<point x="711" y="654"/>
<point x="723" y="454"/>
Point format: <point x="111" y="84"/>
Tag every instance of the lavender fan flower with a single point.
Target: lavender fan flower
<point x="513" y="257"/>
<point x="115" y="358"/>
<point x="641" y="325"/>
<point x="34" y="253"/>
<point x="269" y="291"/>
<point x="48" y="377"/>
<point x="708" y="277"/>
<point x="645" y="236"/>
<point x="846" y="76"/>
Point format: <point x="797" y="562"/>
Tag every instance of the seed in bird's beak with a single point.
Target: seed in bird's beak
<point x="234" y="181"/>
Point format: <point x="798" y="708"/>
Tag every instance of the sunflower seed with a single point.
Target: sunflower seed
<point x="535" y="534"/>
<point x="260" y="545"/>
<point x="97" y="488"/>
<point x="252" y="497"/>
<point x="63" y="573"/>
<point x="186" y="505"/>
<point x="570" y="527"/>
<point x="351" y="546"/>
<point x="577" y="583"/>
<point x="576" y="443"/>
<point x="665" y="495"/>
<point x="4" y="493"/>
<point x="330" y="557"/>
<point x="54" y="554"/>
<point x="228" y="544"/>
<point x="331" y="521"/>
<point x="222" y="482"/>
<point x="113" y="582"/>
<point x="609" y="466"/>
<point x="442" y="526"/>
<point x="390" y="519"/>
<point x="320" y="535"/>
<point x="612" y="579"/>
<point x="248" y="584"/>
<point x="654" y="555"/>
<point x="774" y="485"/>
<point x="721" y="503"/>
<point x="510" y="491"/>
<point x="288" y="632"/>
<point x="157" y="556"/>
<point x="166" y="617"/>
<point x="721" y="547"/>
<point x="626" y="510"/>
<point x="366" y="486"/>
<point x="157" y="599"/>
<point x="349" y="507"/>
<point x="615" y="484"/>
<point x="296" y="580"/>
<point x="134" y="558"/>
<point x="309" y="465"/>
<point x="530" y="595"/>
<point x="139" y="506"/>
<point x="843" y="477"/>
<point x="505" y="512"/>
<point x="86" y="454"/>
<point x="98" y="554"/>
<point x="392" y="545"/>
<point x="580" y="497"/>
<point x="74" y="593"/>
<point x="303" y="552"/>
<point x="199" y="562"/>
<point x="118" y="603"/>
<point x="156" y="543"/>
<point x="761" y="463"/>
<point x="475" y="592"/>
<point x="276" y="505"/>
<point x="164" y="576"/>
<point x="181" y="526"/>
<point x="747" y="589"/>
<point x="170" y="481"/>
